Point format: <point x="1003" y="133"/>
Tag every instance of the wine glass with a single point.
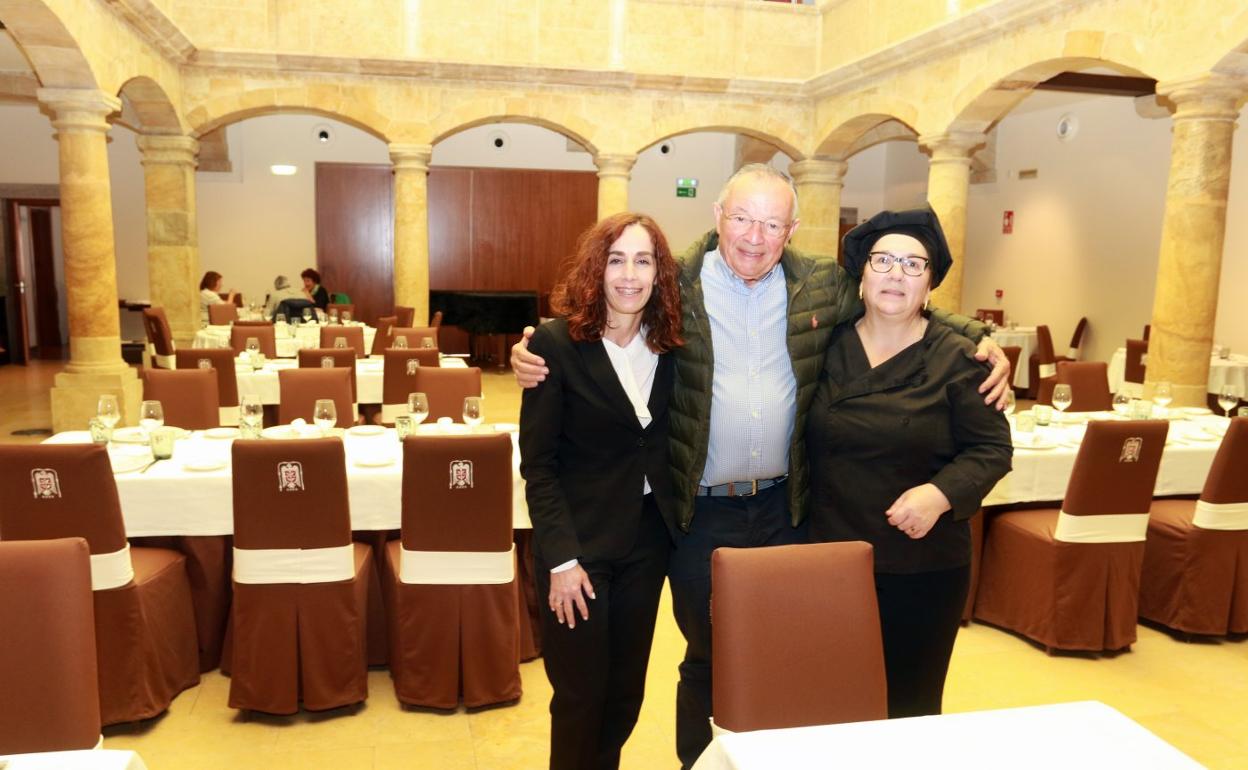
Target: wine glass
<point x="333" y="316"/>
<point x="252" y="346"/>
<point x="1010" y="402"/>
<point x="1062" y="397"/>
<point x="151" y="416"/>
<point x="108" y="411"/>
<point x="1161" y="394"/>
<point x="473" y="412"/>
<point x="340" y="342"/>
<point x="426" y="342"/>
<point x="324" y="414"/>
<point x="418" y="406"/>
<point x="400" y="342"/>
<point x="1228" y="397"/>
<point x="1122" y="403"/>
<point x="251" y="412"/>
<point x="346" y="316"/>
<point x="307" y="314"/>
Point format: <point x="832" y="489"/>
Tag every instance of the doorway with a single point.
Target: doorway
<point x="36" y="280"/>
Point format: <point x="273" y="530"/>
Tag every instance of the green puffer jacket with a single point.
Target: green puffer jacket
<point x="821" y="295"/>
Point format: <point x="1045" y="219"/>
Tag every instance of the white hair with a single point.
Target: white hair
<point x="281" y="282"/>
<point x="759" y="170"/>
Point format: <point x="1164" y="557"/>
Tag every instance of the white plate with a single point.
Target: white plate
<point x="1036" y="445"/>
<point x="130" y="435"/>
<point x="373" y="461"/>
<point x="222" y="433"/>
<point x="279" y="432"/>
<point x="204" y="463"/>
<point x="1193" y="411"/>
<point x="366" y="430"/>
<point x="125" y="463"/>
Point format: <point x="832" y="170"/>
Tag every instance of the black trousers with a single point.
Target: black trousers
<point x="738" y="522"/>
<point x="919" y="619"/>
<point x="598" y="669"/>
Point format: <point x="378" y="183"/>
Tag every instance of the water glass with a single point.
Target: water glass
<point x="346" y="316"/>
<point x="1141" y="409"/>
<point x="108" y="411"/>
<point x="1043" y="414"/>
<point x="162" y="442"/>
<point x="1024" y="422"/>
<point x="473" y="411"/>
<point x="404" y="426"/>
<point x="417" y="407"/>
<point x="251" y="415"/>
<point x="1162" y="395"/>
<point x="100" y="433"/>
<point x="324" y="414"/>
<point x="151" y="416"/>
<point x="279" y="319"/>
<point x="333" y="316"/>
<point x="307" y="314"/>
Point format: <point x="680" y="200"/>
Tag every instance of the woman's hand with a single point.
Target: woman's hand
<point x="568" y="590"/>
<point x="918" y="508"/>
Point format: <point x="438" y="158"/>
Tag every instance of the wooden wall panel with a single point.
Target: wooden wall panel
<point x="355" y="234"/>
<point x="450" y="226"/>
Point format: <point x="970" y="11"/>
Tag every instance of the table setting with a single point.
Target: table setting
<point x="263" y="381"/>
<point x="290" y="338"/>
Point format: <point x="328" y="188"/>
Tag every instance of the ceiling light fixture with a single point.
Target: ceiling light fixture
<point x="283" y="169"/>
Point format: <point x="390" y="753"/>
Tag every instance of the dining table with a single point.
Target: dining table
<point x="1231" y="370"/>
<point x="289" y="338"/>
<point x="369" y="372"/>
<point x="1024" y="338"/>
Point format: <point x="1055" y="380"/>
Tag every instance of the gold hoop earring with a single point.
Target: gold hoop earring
<point x="927" y="301"/>
<point x="860" y="291"/>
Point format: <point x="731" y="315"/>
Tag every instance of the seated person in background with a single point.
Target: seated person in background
<point x="282" y="291"/>
<point x="313" y="288"/>
<point x="209" y="288"/>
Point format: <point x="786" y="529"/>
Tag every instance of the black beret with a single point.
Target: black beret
<point x="920" y="224"/>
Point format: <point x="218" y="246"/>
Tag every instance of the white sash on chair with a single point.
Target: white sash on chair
<point x="1221" y="516"/>
<point x="1101" y="528"/>
<point x="111" y="570"/>
<point x="294" y="565"/>
<point x="457" y="567"/>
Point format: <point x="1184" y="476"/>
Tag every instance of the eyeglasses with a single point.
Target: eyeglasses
<point x="882" y="262"/>
<point x="772" y="228"/>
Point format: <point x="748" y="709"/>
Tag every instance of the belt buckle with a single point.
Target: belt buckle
<point x="732" y="489"/>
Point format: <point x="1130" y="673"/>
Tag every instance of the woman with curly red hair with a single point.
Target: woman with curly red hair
<point x="594" y="454"/>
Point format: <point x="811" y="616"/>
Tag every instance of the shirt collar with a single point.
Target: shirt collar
<point x="715" y="261"/>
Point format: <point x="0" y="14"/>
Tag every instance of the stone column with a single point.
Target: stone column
<point x="172" y="235"/>
<point x="411" y="227"/>
<point x="1193" y="226"/>
<point x="948" y="181"/>
<point x="819" y="182"/>
<point x="95" y="366"/>
<point x="613" y="173"/>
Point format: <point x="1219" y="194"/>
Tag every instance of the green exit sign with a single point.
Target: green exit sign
<point x="686" y="188"/>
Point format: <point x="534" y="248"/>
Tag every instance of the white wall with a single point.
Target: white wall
<point x="706" y="156"/>
<point x="1232" y="324"/>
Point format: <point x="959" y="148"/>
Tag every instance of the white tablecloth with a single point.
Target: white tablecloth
<point x="1023" y="337"/>
<point x="1222" y="372"/>
<point x="1042" y="474"/>
<point x="291" y="338"/>
<point x="168" y="499"/>
<point x="104" y="759"/>
<point x="1065" y="735"/>
<point x="368" y="379"/>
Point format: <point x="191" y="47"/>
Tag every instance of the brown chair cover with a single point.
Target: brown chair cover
<point x="354" y="336"/>
<point x="1041" y="364"/>
<point x="1089" y="386"/>
<point x="1134" y="368"/>
<point x="189" y="397"/>
<point x="786" y="658"/>
<point x="398" y="377"/>
<point x="299" y="390"/>
<point x="48" y="675"/>
<point x="293" y="641"/>
<point x="1147" y="330"/>
<point x="1076" y="341"/>
<point x="416" y="336"/>
<point x="444" y="637"/>
<point x="1195" y="579"/>
<point x="264" y="334"/>
<point x="220" y="359"/>
<point x="145" y="629"/>
<point x="994" y="314"/>
<point x="1076" y="595"/>
<point x="159" y="337"/>
<point x="222" y="314"/>
<point x="381" y="340"/>
<point x="405" y="316"/>
<point x="446" y="389"/>
<point x="330" y="358"/>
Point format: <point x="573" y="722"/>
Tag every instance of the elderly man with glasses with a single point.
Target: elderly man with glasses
<point x="757" y="316"/>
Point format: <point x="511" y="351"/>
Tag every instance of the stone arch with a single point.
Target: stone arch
<point x="772" y="130"/>
<point x="480" y="114"/>
<point x="54" y="54"/>
<point x="147" y="109"/>
<point x="863" y="131"/>
<point x="337" y="104"/>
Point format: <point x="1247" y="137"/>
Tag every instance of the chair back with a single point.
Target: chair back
<point x="222" y="314"/>
<point x="1137" y="355"/>
<point x="405" y="316"/>
<point x="329" y="358"/>
<point x="221" y="360"/>
<point x="292" y="518"/>
<point x="385" y="330"/>
<point x="354" y="336"/>
<point x="159" y="337"/>
<point x="1089" y="385"/>
<point x="416" y="336"/>
<point x="398" y="379"/>
<point x="832" y="665"/>
<point x="299" y="390"/>
<point x="1012" y="352"/>
<point x="189" y="396"/>
<point x="340" y="308"/>
<point x="66" y="490"/>
<point x="1148" y="329"/>
<point x="263" y="334"/>
<point x="1223" y="503"/>
<point x="252" y="322"/>
<point x="1111" y="485"/>
<point x="1044" y="352"/>
<point x="435" y="320"/>
<point x="446" y="388"/>
<point x="457" y="509"/>
<point x="1076" y="339"/>
<point x="994" y="314"/>
<point x="47" y="651"/>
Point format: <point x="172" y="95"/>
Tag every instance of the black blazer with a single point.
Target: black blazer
<point x="584" y="454"/>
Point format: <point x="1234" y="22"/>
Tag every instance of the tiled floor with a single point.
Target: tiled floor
<point x="1194" y="695"/>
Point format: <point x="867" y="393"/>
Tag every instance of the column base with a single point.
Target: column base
<point x="74" y="397"/>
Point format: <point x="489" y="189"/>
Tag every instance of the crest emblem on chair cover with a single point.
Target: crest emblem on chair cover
<point x="461" y="474"/>
<point x="412" y="365"/>
<point x="204" y="363"/>
<point x="46" y="483"/>
<point x="1131" y="450"/>
<point x="290" y="476"/>
<point x="327" y="362"/>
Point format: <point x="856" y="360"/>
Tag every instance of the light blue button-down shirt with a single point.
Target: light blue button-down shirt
<point x="754" y="390"/>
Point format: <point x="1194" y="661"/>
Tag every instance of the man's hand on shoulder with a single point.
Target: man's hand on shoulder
<point x="998" y="380"/>
<point x="528" y="368"/>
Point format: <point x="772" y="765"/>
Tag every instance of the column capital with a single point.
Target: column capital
<point x="610" y="164"/>
<point x="167" y="149"/>
<point x="411" y="157"/>
<point x="79" y="108"/>
<point x="818" y="170"/>
<point x="953" y="146"/>
<point x="1210" y="96"/>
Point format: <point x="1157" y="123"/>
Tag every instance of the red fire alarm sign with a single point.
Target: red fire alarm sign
<point x="1007" y="223"/>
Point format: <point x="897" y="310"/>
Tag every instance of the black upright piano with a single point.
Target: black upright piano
<point x="487" y="316"/>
